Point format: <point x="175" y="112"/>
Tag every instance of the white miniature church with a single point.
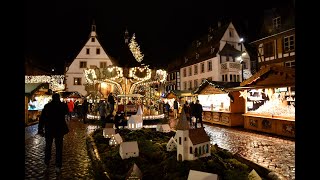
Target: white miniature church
<point x="135" y="121"/>
<point x="190" y="144"/>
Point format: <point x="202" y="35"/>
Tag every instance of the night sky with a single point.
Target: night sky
<point x="56" y="31"/>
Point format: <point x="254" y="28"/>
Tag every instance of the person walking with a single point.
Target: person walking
<point x="103" y="113"/>
<point x="198" y="113"/>
<point x="71" y="108"/>
<point x="111" y="102"/>
<point x="175" y="109"/>
<point x="52" y="125"/>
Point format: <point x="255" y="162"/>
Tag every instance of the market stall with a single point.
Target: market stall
<point x="221" y="106"/>
<point x="270" y="101"/>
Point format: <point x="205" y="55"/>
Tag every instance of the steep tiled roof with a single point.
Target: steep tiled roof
<point x="221" y="85"/>
<point x="183" y="124"/>
<point x="229" y="50"/>
<point x="198" y="136"/>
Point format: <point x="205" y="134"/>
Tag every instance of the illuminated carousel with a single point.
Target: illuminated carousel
<point x="133" y="84"/>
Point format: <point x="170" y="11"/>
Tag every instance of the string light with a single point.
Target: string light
<point x="55" y="81"/>
<point x="135" y="49"/>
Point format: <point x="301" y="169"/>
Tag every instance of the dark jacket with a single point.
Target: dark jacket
<point x="111" y="99"/>
<point x="197" y="110"/>
<point x="52" y="119"/>
<point x="175" y="104"/>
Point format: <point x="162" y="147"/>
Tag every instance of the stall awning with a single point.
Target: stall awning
<point x="215" y="87"/>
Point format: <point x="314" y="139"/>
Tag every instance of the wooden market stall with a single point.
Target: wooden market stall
<point x="270" y="101"/>
<point x="221" y="106"/>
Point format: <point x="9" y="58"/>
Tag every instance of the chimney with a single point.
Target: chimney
<point x="219" y="24"/>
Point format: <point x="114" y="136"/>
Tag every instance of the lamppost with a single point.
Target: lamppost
<point x="240" y="57"/>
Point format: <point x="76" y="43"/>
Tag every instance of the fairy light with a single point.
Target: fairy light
<point x="161" y="75"/>
<point x="55" y="81"/>
<point x="145" y="69"/>
<point x="135" y="49"/>
<point x="90" y="75"/>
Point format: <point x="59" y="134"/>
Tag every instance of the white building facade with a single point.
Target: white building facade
<point x="92" y="55"/>
<point x="221" y="56"/>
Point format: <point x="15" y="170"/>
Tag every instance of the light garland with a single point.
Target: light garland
<point x="161" y="75"/>
<point x="118" y="70"/>
<point x="55" y="81"/>
<point x="135" y="49"/>
<point x="90" y="75"/>
<point x="132" y="73"/>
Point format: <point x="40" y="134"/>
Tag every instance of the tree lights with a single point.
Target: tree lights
<point x="135" y="49"/>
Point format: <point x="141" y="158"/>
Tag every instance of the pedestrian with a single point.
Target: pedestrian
<point x="111" y="102"/>
<point x="167" y="108"/>
<point x="85" y="109"/>
<point x="187" y="110"/>
<point x="175" y="109"/>
<point x="103" y="113"/>
<point x="71" y="108"/>
<point x="198" y="113"/>
<point x="52" y="125"/>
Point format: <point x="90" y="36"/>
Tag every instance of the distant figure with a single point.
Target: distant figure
<point x="71" y="108"/>
<point x="167" y="109"/>
<point x="52" y="125"/>
<point x="175" y="109"/>
<point x="186" y="108"/>
<point x="198" y="113"/>
<point x="103" y="113"/>
<point x="111" y="102"/>
<point x="84" y="110"/>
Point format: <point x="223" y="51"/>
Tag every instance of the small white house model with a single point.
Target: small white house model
<point x="199" y="175"/>
<point x="191" y="143"/>
<point x="129" y="149"/>
<point x="108" y="132"/>
<point x="172" y="144"/>
<point x="163" y="128"/>
<point x="135" y="122"/>
<point x="115" y="140"/>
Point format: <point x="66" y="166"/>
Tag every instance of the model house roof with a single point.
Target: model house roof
<point x="108" y="131"/>
<point x="139" y="112"/>
<point x="118" y="138"/>
<point x="199" y="175"/>
<point x="130" y="146"/>
<point x="165" y="127"/>
<point x="183" y="124"/>
<point x="135" y="119"/>
<point x="198" y="136"/>
<point x="134" y="172"/>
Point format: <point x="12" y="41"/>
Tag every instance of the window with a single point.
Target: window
<point x="230" y="32"/>
<point x="190" y="85"/>
<point x="185" y="85"/>
<point x="185" y="139"/>
<point x="83" y="64"/>
<point x="238" y="78"/>
<point x="209" y="65"/>
<point x="222" y="77"/>
<point x="88" y="51"/>
<point x="93" y="39"/>
<point x="190" y="150"/>
<point x="234" y="77"/>
<point x="190" y="71"/>
<point x="211" y="50"/>
<point x="195" y="83"/>
<point x="290" y="64"/>
<point x="196" y="152"/>
<point x="226" y="77"/>
<point x="202" y="67"/>
<point x="207" y="149"/>
<point x="184" y="72"/>
<point x="288" y="43"/>
<point x="230" y="77"/>
<point x="98" y="51"/>
<point x="276" y="22"/>
<point x="195" y="69"/>
<point x="180" y="140"/>
<point x="76" y="81"/>
<point x="268" y="49"/>
<point x="103" y="64"/>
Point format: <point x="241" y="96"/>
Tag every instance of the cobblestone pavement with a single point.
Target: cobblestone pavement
<point x="272" y="152"/>
<point x="76" y="161"/>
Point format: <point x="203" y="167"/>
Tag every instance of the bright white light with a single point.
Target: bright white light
<point x="239" y="58"/>
<point x="241" y="40"/>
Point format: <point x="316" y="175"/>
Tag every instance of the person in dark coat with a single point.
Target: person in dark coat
<point x="85" y="109"/>
<point x="111" y="102"/>
<point x="198" y="113"/>
<point x="187" y="110"/>
<point x="52" y="125"/>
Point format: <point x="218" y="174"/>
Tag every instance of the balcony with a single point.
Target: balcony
<point x="230" y="67"/>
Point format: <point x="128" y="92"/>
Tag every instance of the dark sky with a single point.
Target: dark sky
<point x="55" y="31"/>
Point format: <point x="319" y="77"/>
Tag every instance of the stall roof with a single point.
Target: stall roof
<point x="178" y="93"/>
<point x="271" y="76"/>
<point x="218" y="87"/>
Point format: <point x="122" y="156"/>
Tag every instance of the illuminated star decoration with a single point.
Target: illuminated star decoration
<point x="243" y="94"/>
<point x="135" y="49"/>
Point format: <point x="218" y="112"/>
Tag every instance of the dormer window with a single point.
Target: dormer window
<point x="231" y="33"/>
<point x="93" y="39"/>
<point x="211" y="50"/>
<point x="197" y="55"/>
<point x="277" y="22"/>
